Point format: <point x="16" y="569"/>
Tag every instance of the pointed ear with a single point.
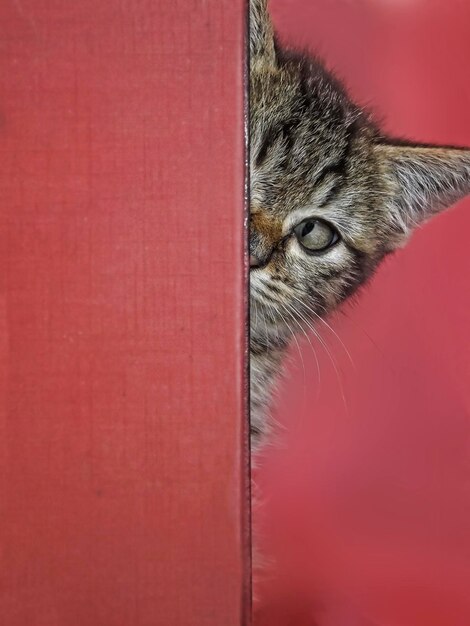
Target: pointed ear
<point x="261" y="33"/>
<point x="422" y="180"/>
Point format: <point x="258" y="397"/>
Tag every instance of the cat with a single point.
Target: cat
<point x="330" y="197"/>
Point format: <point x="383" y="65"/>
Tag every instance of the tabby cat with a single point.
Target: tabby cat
<point x="330" y="197"/>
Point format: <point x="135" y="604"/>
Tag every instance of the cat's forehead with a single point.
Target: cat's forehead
<point x="296" y="132"/>
<point x="283" y="99"/>
<point x="297" y="87"/>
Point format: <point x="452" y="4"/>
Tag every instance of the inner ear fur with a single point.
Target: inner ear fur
<point x="422" y="180"/>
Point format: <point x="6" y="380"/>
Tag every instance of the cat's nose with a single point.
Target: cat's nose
<point x="259" y="260"/>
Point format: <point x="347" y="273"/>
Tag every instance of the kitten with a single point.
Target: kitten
<point x="331" y="196"/>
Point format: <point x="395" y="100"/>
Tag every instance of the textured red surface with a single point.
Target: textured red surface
<point x="121" y="313"/>
<point x="368" y="508"/>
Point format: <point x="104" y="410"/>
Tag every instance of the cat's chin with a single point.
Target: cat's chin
<point x="268" y="331"/>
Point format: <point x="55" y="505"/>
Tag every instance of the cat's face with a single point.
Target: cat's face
<point x="330" y="197"/>
<point x="318" y="217"/>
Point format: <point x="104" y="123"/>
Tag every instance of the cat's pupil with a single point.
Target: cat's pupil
<point x="307" y="228"/>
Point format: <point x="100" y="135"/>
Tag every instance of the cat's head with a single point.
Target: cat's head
<point x="330" y="195"/>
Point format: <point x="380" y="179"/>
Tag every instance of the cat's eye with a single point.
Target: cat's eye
<point x="315" y="235"/>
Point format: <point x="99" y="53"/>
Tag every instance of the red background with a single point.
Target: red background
<point x="122" y="307"/>
<point x="367" y="507"/>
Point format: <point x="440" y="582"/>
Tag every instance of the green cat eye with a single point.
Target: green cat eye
<point x="315" y="235"/>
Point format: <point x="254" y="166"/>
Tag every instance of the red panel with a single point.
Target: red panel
<point x="122" y="308"/>
<point x="369" y="503"/>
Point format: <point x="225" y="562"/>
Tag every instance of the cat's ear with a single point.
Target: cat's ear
<point x="261" y="34"/>
<point x="422" y="181"/>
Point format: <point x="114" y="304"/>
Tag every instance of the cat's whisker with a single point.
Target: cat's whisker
<point x="328" y="352"/>
<point x="325" y="323"/>
<point x="302" y="329"/>
<point x="268" y="338"/>
<point x="255" y="304"/>
<point x="296" y="342"/>
<point x="272" y="317"/>
<point x="304" y="375"/>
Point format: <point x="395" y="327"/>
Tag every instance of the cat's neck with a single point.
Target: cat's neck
<point x="265" y="368"/>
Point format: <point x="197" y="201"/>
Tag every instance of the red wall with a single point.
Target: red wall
<point x="368" y="506"/>
<point x="122" y="310"/>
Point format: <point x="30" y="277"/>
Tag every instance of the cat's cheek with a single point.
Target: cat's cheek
<point x="294" y="251"/>
<point x="258" y="279"/>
